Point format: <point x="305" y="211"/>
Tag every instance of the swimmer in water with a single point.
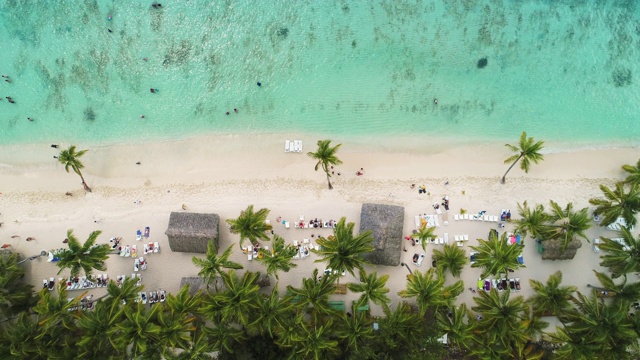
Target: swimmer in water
<point x="259" y="83"/>
<point x="235" y="111"/>
<point x="30" y="119"/>
<point x="141" y="116"/>
<point x="435" y="101"/>
<point x="109" y="18"/>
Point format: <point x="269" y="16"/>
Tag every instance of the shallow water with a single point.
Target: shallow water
<point x="564" y="71"/>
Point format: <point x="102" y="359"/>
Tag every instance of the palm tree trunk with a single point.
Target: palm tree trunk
<point x="329" y="181"/>
<point x="502" y="181"/>
<point x="84" y="183"/>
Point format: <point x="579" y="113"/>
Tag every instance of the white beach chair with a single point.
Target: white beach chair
<point x="446" y="238"/>
<point x="286" y="146"/>
<point x="301" y="217"/>
<point x="486" y="217"/>
<point x="456" y="217"/>
<point x="456" y="237"/>
<point x="298" y="145"/>
<point x="418" y="222"/>
<point x="466" y="216"/>
<point x="305" y="241"/>
<point x="286" y="224"/>
<point x="459" y="243"/>
<point x="295" y="242"/>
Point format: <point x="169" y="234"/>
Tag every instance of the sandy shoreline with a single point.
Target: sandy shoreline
<point x="225" y="174"/>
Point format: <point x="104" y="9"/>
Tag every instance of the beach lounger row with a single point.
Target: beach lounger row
<point x="312" y="224"/>
<point x="253" y="252"/>
<point x="512" y="284"/>
<point x="86" y="303"/>
<point x="460" y="239"/>
<point x="80" y="283"/>
<point x="618" y="224"/>
<point x="293" y="146"/>
<point x="152" y="298"/>
<point x="132" y="250"/>
<point x="426" y="220"/>
<point x="476" y="217"/>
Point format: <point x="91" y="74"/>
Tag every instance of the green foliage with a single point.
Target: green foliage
<point x="326" y="157"/>
<point x="619" y="258"/>
<point x="452" y="258"/>
<point x="15" y="295"/>
<point x="424" y="235"/>
<point x="315" y="293"/>
<point x="372" y="288"/>
<point x="633" y="176"/>
<point x="87" y="256"/>
<point x="280" y="258"/>
<point x="430" y="291"/>
<point x="618" y="203"/>
<point x="250" y="226"/>
<point x="71" y="160"/>
<point x="551" y="298"/>
<point x="212" y="265"/>
<point x="532" y="222"/>
<point x="496" y="256"/>
<point x="343" y="251"/>
<point x="527" y="151"/>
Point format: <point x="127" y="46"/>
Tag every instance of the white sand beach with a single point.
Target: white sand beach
<point x="224" y="174"/>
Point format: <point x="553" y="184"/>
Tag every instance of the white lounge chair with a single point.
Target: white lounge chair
<point x="286" y="146"/>
<point x="456" y="217"/>
<point x="446" y="238"/>
<point x="459" y="243"/>
<point x="286" y="224"/>
<point x="298" y="145"/>
<point x="156" y="247"/>
<point x="465" y="237"/>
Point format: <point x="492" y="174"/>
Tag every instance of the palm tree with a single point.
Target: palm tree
<point x="402" y="330"/>
<point x="315" y="291"/>
<point x="617" y="203"/>
<point x="532" y="221"/>
<point x="137" y="334"/>
<point x="87" y="257"/>
<point x="126" y="294"/>
<point x="271" y="313"/>
<point x="250" y="225"/>
<point x="595" y="330"/>
<point x="175" y="331"/>
<point x="502" y="318"/>
<point x="15" y="295"/>
<point x="625" y="293"/>
<point x="94" y="326"/>
<point x="424" y="235"/>
<point x="280" y="258"/>
<point x="452" y="258"/>
<point x="429" y="290"/>
<point x="238" y="301"/>
<point x="315" y="341"/>
<point x="496" y="256"/>
<point x="355" y="329"/>
<point x="634" y="173"/>
<point x="183" y="303"/>
<point x="71" y="160"/>
<point x="199" y="348"/>
<point x="527" y="150"/>
<point x="326" y="156"/>
<point x="344" y="251"/>
<point x="567" y="225"/>
<point x="621" y="258"/>
<point x="372" y="288"/>
<point x="551" y="298"/>
<point x="223" y="338"/>
<point x="454" y="325"/>
<point x="211" y="266"/>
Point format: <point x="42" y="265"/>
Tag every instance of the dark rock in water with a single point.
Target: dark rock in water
<point x="482" y="63"/>
<point x="283" y="32"/>
<point x="89" y="114"/>
<point x="621" y="77"/>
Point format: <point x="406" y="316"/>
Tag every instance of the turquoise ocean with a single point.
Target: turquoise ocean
<point x="563" y="70"/>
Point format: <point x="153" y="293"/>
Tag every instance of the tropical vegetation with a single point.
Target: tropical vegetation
<point x="618" y="204"/>
<point x="326" y="158"/>
<point x="526" y="151"/>
<point x="496" y="255"/>
<point x="251" y="225"/>
<point x="86" y="257"/>
<point x="70" y="158"/>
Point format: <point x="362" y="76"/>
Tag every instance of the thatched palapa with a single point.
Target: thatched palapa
<point x="552" y="250"/>
<point x="386" y="224"/>
<point x="191" y="232"/>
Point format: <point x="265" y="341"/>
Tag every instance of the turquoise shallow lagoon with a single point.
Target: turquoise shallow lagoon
<point x="564" y="71"/>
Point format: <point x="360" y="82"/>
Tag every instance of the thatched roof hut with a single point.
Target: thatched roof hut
<point x="552" y="249"/>
<point x="191" y="232"/>
<point x="386" y="224"/>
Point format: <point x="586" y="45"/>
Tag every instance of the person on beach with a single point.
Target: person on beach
<point x="138" y="163"/>
<point x="55" y="146"/>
